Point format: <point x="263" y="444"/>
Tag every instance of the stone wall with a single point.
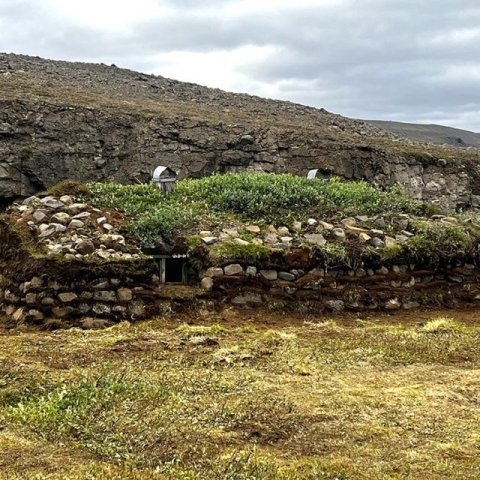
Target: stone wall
<point x="388" y="288"/>
<point x="89" y="302"/>
<point x="43" y="300"/>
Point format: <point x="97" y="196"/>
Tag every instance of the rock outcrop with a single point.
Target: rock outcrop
<point x="61" y="120"/>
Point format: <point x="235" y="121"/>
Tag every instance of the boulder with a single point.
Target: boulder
<point x="67" y="297"/>
<point x="207" y="283"/>
<point x="52" y="202"/>
<point x="335" y="305"/>
<point x="240" y="241"/>
<point x="364" y="237"/>
<point x="74" y="224"/>
<point x="286" y="276"/>
<point x="393" y="304"/>
<point x="105" y="296"/>
<point x="269" y="274"/>
<point x="35" y="315"/>
<point x="233" y="269"/>
<point x="209" y="240"/>
<point x="214" y="272"/>
<point x="84" y="247"/>
<point x="315" y="239"/>
<point x="102" y="309"/>
<point x="325" y="225"/>
<point x="124" y="295"/>
<point x="390" y="242"/>
<point x="251" y="271"/>
<point x="39" y="216"/>
<point x="271" y="238"/>
<point x="61" y="217"/>
<point x="253" y="228"/>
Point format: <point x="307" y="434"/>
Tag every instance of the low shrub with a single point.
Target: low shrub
<point x="68" y="187"/>
<point x="257" y="197"/>
<point x="162" y="223"/>
<point x="231" y="251"/>
<point x="435" y="242"/>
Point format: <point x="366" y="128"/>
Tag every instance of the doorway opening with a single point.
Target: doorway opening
<point x="172" y="269"/>
<point x="175" y="270"/>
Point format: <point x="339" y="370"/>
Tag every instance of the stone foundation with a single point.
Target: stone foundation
<point x="42" y="299"/>
<point x="101" y="301"/>
<point x="385" y="288"/>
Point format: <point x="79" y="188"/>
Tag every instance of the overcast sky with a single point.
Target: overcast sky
<point x="406" y="60"/>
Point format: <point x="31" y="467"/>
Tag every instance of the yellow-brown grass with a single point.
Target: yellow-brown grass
<point x="252" y="395"/>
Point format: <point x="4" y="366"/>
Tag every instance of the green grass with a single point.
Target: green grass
<point x="434" y="242"/>
<point x="250" y="197"/>
<point x="244" y="395"/>
<point x="230" y="251"/>
<point x="263" y="198"/>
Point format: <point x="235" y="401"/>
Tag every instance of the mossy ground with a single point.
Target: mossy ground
<point x="244" y="395"/>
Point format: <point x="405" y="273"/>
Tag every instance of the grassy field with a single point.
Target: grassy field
<point x="244" y="395"/>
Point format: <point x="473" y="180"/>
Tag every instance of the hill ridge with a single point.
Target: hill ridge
<point x="62" y="120"/>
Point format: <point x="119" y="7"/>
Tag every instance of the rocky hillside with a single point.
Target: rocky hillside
<point x="62" y="120"/>
<point x="431" y="133"/>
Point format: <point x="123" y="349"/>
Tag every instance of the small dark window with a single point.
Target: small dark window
<point x="174" y="270"/>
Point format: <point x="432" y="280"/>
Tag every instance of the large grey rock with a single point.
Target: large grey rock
<point x="207" y="283"/>
<point x="124" y="295"/>
<point x="335" y="305"/>
<point x="209" y="240"/>
<point x="85" y="247"/>
<point x="286" y="276"/>
<point x="251" y="271"/>
<point x="105" y="296"/>
<point x="233" y="269"/>
<point x="61" y="217"/>
<point x="316" y="239"/>
<point x="269" y="274"/>
<point x="67" y="297"/>
<point x="39" y="216"/>
<point x="393" y="304"/>
<point x="102" y="309"/>
<point x="52" y="202"/>
<point x="75" y="224"/>
<point x="214" y="272"/>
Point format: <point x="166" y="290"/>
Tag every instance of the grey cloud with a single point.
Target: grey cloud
<point x="369" y="58"/>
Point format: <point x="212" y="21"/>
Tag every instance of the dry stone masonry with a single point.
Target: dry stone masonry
<point x="83" y="269"/>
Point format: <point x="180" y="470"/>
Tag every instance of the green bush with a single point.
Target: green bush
<point x="132" y="199"/>
<point x="162" y="223"/>
<point x="270" y="197"/>
<point x="435" y="242"/>
<point x="230" y="251"/>
<point x="251" y="197"/>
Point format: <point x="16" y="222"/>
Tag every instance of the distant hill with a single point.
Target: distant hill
<point x="92" y="122"/>
<point x="430" y="133"/>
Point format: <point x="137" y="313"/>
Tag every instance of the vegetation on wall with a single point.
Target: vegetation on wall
<point x="436" y="241"/>
<point x="282" y="199"/>
<point x="254" y="197"/>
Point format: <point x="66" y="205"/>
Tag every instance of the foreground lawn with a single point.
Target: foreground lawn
<point x="244" y="395"/>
